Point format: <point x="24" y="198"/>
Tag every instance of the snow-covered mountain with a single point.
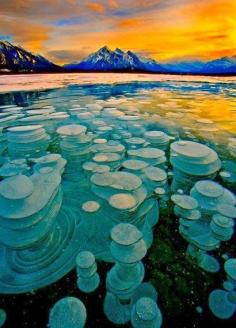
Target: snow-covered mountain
<point x="16" y="59"/>
<point x="118" y="60"/>
<point x="225" y="65"/>
<point x="184" y="66"/>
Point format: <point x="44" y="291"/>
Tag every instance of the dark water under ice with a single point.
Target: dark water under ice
<point x="198" y="111"/>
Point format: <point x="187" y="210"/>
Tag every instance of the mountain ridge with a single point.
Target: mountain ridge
<point x="18" y="60"/>
<point x="107" y="60"/>
<point x="15" y="59"/>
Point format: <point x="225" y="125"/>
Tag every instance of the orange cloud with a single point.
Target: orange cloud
<point x="27" y="34"/>
<point x="113" y="4"/>
<point x="45" y="11"/>
<point x="97" y="7"/>
<point x="65" y="56"/>
<point x="167" y="29"/>
<point x="129" y="23"/>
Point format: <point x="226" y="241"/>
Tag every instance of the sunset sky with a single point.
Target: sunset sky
<point x="68" y="30"/>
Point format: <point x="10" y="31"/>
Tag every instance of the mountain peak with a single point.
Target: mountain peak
<point x="119" y="51"/>
<point x="225" y="59"/>
<point x="104" y="49"/>
<point x="118" y="60"/>
<point x="16" y="59"/>
<point x="5" y="44"/>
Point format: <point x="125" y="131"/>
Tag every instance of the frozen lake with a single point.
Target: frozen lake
<point x="26" y="82"/>
<point x="134" y="143"/>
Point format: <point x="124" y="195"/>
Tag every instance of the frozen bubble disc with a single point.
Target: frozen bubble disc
<point x="102" y="180"/>
<point x="85" y="260"/>
<point x="146" y="152"/>
<point x="227" y="210"/>
<point x="155" y="135"/>
<point x="209" y="188"/>
<point x="68" y="312"/>
<point x="209" y="263"/>
<point x="145" y="313"/>
<point x="100" y="141"/>
<point x="133" y="164"/>
<point x="24" y="128"/>
<point x="91" y="206"/>
<point x="184" y="201"/>
<point x="126" y="181"/>
<point x="106" y="157"/>
<point x="129" y="118"/>
<point x="159" y="191"/>
<point x="146" y="309"/>
<point x="125" y="234"/>
<point x="72" y="129"/>
<point x="190" y="149"/>
<point x="222" y="221"/>
<point x="230" y="268"/>
<point x="16" y="187"/>
<point x="135" y="141"/>
<point x="155" y="174"/>
<point x="122" y="201"/>
<point x="119" y="180"/>
<point x="89" y="166"/>
<point x="219" y="304"/>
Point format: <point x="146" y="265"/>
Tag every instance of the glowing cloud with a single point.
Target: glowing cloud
<point x="97" y="7"/>
<point x="164" y="29"/>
